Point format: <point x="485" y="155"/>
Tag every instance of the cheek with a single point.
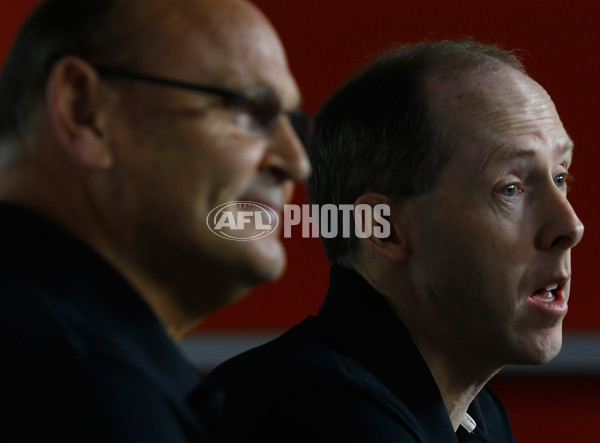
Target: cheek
<point x="481" y="226"/>
<point x="471" y="244"/>
<point x="242" y="163"/>
<point x="489" y="264"/>
<point x="230" y="172"/>
<point x="213" y="160"/>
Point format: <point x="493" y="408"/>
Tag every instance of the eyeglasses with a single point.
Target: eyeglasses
<point x="257" y="109"/>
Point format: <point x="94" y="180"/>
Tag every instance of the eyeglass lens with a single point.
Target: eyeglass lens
<point x="261" y="109"/>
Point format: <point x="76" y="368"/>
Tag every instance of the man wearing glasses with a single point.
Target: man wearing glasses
<point x="122" y="125"/>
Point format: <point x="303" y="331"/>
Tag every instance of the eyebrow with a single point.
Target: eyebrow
<point x="516" y="152"/>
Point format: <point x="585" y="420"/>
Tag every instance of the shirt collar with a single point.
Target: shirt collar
<point x="365" y="328"/>
<point x="468" y="423"/>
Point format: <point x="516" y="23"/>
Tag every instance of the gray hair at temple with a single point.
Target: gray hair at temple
<point x="377" y="132"/>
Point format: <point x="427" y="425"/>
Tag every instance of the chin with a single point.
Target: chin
<point x="269" y="259"/>
<point x="543" y="347"/>
<point x="251" y="263"/>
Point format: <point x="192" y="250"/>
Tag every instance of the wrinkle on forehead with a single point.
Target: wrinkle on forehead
<point x="491" y="108"/>
<point x="496" y="102"/>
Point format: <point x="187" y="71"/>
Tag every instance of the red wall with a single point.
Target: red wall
<point x="326" y="40"/>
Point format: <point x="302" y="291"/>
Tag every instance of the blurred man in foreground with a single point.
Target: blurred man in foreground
<point x="470" y="157"/>
<point x="122" y="125"/>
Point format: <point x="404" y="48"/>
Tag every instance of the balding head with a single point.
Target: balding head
<point x="133" y="167"/>
<point x="216" y="41"/>
<point x="132" y="33"/>
<point x="482" y="106"/>
<point x="387" y="106"/>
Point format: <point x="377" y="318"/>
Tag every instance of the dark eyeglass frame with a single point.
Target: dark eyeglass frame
<point x="240" y="100"/>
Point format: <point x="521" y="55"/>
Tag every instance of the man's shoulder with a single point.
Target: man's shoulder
<point x="62" y="381"/>
<point x="41" y="377"/>
<point x="27" y="320"/>
<point x="303" y="350"/>
<point x="38" y="351"/>
<point x="297" y="381"/>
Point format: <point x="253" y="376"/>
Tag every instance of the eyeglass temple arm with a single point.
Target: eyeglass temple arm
<point x="233" y="96"/>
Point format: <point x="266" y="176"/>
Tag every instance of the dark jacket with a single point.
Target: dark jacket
<point x="350" y="374"/>
<point x="84" y="359"/>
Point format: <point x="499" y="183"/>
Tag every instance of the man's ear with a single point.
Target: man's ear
<point x="74" y="101"/>
<point x="388" y="237"/>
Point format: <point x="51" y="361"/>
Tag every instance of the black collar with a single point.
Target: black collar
<point x="365" y="328"/>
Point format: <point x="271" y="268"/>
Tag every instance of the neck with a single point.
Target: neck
<point x="459" y="369"/>
<point x="172" y="289"/>
<point x="457" y="377"/>
<point x="180" y="292"/>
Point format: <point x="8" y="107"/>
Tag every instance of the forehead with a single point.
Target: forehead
<point x="227" y="43"/>
<point x="497" y="115"/>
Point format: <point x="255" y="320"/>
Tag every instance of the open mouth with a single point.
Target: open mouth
<point x="551" y="300"/>
<point x="547" y="294"/>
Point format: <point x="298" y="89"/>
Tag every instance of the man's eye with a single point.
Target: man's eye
<point x="561" y="180"/>
<point x="510" y="190"/>
<point x="262" y="108"/>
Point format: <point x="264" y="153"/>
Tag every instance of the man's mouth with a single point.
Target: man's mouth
<point x="547" y="294"/>
<point x="551" y="299"/>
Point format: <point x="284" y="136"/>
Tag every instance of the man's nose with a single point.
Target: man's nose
<point x="287" y="154"/>
<point x="561" y="229"/>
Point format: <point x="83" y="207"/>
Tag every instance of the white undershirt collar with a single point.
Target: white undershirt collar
<point x="468" y="423"/>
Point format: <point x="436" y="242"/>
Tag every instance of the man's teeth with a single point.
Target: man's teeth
<point x="551" y="287"/>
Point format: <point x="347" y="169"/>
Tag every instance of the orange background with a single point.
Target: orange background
<point x="326" y="40"/>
